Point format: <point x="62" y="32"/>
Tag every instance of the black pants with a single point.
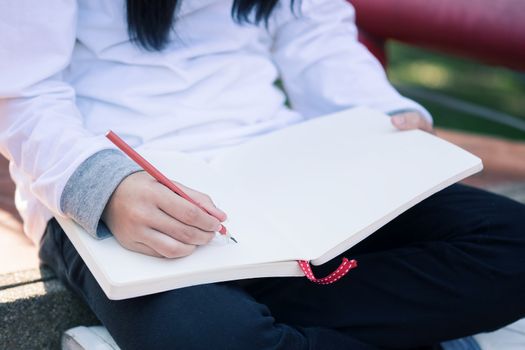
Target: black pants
<point x="451" y="266"/>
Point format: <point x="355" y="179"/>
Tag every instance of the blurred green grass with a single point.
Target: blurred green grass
<point x="497" y="88"/>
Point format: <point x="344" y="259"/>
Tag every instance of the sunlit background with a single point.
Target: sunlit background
<point x="441" y="82"/>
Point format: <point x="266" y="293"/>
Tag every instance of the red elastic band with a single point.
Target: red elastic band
<point x="346" y="265"/>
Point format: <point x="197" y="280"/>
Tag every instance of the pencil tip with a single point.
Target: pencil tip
<point x="233" y="239"/>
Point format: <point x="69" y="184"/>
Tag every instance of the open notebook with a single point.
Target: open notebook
<point x="307" y="192"/>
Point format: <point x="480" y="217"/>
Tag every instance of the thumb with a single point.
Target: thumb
<point x="213" y="210"/>
<point x="206" y="202"/>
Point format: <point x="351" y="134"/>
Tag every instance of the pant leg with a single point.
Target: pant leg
<point x="452" y="266"/>
<point x="213" y="316"/>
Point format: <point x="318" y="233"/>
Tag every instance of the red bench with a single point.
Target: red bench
<point x="486" y="30"/>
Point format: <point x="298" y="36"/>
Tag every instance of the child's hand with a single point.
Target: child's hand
<point x="147" y="217"/>
<point x="412" y="120"/>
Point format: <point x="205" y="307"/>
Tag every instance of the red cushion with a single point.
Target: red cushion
<point x="489" y="30"/>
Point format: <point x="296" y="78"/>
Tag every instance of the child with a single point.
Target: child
<point x="198" y="76"/>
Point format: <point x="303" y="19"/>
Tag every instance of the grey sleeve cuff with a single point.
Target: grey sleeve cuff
<point x="89" y="188"/>
<point x="403" y="110"/>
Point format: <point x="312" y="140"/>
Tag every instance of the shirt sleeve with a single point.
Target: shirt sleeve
<point x="41" y="129"/>
<point x="323" y="66"/>
<point x="89" y="188"/>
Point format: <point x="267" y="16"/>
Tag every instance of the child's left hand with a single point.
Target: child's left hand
<point x="412" y="120"/>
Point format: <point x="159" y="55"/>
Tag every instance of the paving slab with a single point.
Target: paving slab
<point x="34" y="315"/>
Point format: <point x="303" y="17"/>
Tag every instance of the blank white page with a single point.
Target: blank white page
<point x="328" y="183"/>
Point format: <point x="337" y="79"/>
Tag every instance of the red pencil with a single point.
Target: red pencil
<point x="150" y="169"/>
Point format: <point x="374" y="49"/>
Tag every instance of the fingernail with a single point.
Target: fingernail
<point x="399" y="120"/>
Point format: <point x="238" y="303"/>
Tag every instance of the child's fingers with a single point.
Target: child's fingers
<point x="206" y="202"/>
<point x="130" y="244"/>
<point x="184" y="211"/>
<point x="189" y="213"/>
<point x="144" y="249"/>
<point x="164" y="244"/>
<point x="166" y="224"/>
<point x="410" y="121"/>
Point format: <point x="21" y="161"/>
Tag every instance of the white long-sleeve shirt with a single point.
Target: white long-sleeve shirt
<point x="68" y="73"/>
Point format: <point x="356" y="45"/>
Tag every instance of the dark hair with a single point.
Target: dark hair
<point x="150" y="21"/>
